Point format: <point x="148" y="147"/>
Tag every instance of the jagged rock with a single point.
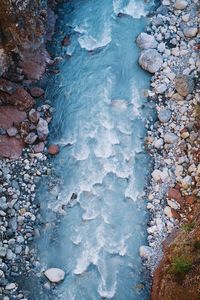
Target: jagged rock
<point x="150" y="60"/>
<point x="164" y="115"/>
<point x="146" y="41"/>
<point x="42" y="129"/>
<point x="11" y="147"/>
<point x="180" y="4"/>
<point x="55" y="275"/>
<point x="10" y="115"/>
<point x="184" y="85"/>
<point x="14" y="94"/>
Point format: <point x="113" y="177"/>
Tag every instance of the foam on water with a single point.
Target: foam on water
<point x="135" y="9"/>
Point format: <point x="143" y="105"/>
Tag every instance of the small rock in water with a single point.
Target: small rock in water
<point x="164" y="115"/>
<point x="146" y="41"/>
<point x="55" y="275"/>
<point x="53" y="149"/>
<point x="150" y="60"/>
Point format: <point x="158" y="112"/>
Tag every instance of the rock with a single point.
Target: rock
<point x="186" y="181"/>
<point x="39" y="148"/>
<point x="173" y="204"/>
<point x="164" y="115"/>
<point x="36" y="92"/>
<point x="158" y="143"/>
<point x="53" y="149"/>
<point x="31" y="138"/>
<point x="175" y="194"/>
<point x="190" y="32"/>
<point x="146" y="252"/>
<point x="168" y="211"/>
<point x="150" y="60"/>
<point x="161" y="88"/>
<point x="42" y="129"/>
<point x="11" y="286"/>
<point x="55" y="275"/>
<point x="180" y="4"/>
<point x="170" y="138"/>
<point x="12" y="131"/>
<point x="11" y="147"/>
<point x="146" y="41"/>
<point x="3" y="61"/>
<point x="190" y="199"/>
<point x="160" y="175"/>
<point x="3" y="252"/>
<point x="14" y="94"/>
<point x="34" y="116"/>
<point x="10" y="115"/>
<point x="184" y="85"/>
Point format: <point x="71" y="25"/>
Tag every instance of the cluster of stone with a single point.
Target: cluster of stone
<point x="170" y="53"/>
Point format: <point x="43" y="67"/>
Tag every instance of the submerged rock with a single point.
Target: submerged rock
<point x="55" y="275"/>
<point x="146" y="41"/>
<point x="150" y="60"/>
<point x="53" y="149"/>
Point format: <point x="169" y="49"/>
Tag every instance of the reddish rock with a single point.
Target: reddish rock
<point x="10" y="115"/>
<point x="53" y="149"/>
<point x="190" y="199"/>
<point x="39" y="148"/>
<point x="175" y="194"/>
<point x="14" y="94"/>
<point x="11" y="147"/>
<point x="36" y="92"/>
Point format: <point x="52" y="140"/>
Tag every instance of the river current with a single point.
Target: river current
<point x="96" y="211"/>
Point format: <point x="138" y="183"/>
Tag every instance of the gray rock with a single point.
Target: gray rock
<point x="184" y="85"/>
<point x="180" y="4"/>
<point x="146" y="41"/>
<point x="31" y="138"/>
<point x="3" y="252"/>
<point x="55" y="275"/>
<point x="164" y="115"/>
<point x="170" y="138"/>
<point x="146" y="252"/>
<point x="42" y="129"/>
<point x="150" y="60"/>
<point x="12" y="131"/>
<point x="190" y="32"/>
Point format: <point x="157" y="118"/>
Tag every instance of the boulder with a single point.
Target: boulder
<point x="36" y="92"/>
<point x="53" y="149"/>
<point x="164" y="115"/>
<point x="146" y="41"/>
<point x="39" y="148"/>
<point x="34" y="116"/>
<point x="170" y="138"/>
<point x="3" y="62"/>
<point x="11" y="147"/>
<point x="10" y="115"/>
<point x="55" y="275"/>
<point x="175" y="194"/>
<point x="190" y="32"/>
<point x="168" y="211"/>
<point x="180" y="4"/>
<point x="42" y="129"/>
<point x="184" y="85"/>
<point x="31" y="138"/>
<point x="150" y="60"/>
<point x="12" y="131"/>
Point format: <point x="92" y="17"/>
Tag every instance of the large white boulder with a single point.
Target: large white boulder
<point x="180" y="4"/>
<point x="150" y="60"/>
<point x="55" y="275"/>
<point x="146" y="41"/>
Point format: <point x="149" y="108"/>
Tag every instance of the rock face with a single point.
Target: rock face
<point x="11" y="147"/>
<point x="55" y="275"/>
<point x="10" y="116"/>
<point x="146" y="41"/>
<point x="184" y="85"/>
<point x="150" y="60"/>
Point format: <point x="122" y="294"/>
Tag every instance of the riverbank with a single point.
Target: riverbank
<point x="170" y="52"/>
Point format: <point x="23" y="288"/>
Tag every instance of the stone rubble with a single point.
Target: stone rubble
<point x="173" y="140"/>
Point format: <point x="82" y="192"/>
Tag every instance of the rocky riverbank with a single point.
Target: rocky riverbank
<point x="170" y="51"/>
<point x="25" y="28"/>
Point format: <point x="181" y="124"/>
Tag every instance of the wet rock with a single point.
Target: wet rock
<point x="184" y="85"/>
<point x="180" y="4"/>
<point x="146" y="41"/>
<point x="12" y="131"/>
<point x="150" y="60"/>
<point x="31" y="138"/>
<point x="11" y="147"/>
<point x="164" y="115"/>
<point x="53" y="149"/>
<point x="190" y="32"/>
<point x="55" y="275"/>
<point x="14" y="94"/>
<point x="36" y="92"/>
<point x="170" y="138"/>
<point x="42" y="129"/>
<point x="146" y="252"/>
<point x="10" y="115"/>
<point x="34" y="116"/>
